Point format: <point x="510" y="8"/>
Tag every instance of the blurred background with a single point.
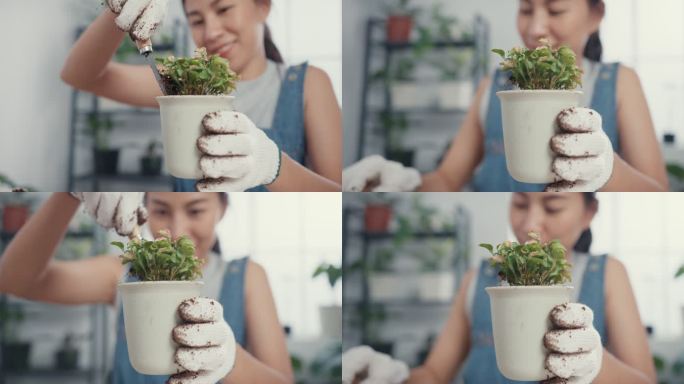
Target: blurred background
<point x="411" y="68"/>
<point x="54" y="138"/>
<point x="405" y="255"/>
<point x="291" y="235"/>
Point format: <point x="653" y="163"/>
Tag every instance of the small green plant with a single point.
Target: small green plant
<point x="542" y="68"/>
<point x="680" y="271"/>
<point x="333" y="272"/>
<point x="161" y="259"/>
<point x="532" y="263"/>
<point x="99" y="127"/>
<point x="11" y="317"/>
<point x="200" y="74"/>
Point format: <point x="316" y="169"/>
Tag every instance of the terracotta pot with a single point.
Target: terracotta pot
<point x="399" y="28"/>
<point x="377" y="217"/>
<point x="14" y="217"/>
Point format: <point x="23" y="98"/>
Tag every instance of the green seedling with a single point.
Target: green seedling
<point x="532" y="263"/>
<point x="542" y="68"/>
<point x="161" y="259"/>
<point x="200" y="74"/>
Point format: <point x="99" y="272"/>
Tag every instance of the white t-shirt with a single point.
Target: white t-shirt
<point x="258" y="98"/>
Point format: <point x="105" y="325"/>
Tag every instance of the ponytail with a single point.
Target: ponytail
<point x="584" y="242"/>
<point x="272" y="52"/>
<point x="594" y="49"/>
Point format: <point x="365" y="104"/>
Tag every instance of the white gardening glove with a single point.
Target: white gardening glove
<point x="207" y="351"/>
<point x="585" y="154"/>
<point x="122" y="211"/>
<point x="236" y="155"/>
<point x="138" y="17"/>
<point x="575" y="345"/>
<point x="380" y="175"/>
<point x="379" y="367"/>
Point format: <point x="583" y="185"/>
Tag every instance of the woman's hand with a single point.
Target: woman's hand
<point x="236" y="155"/>
<point x="377" y="367"/>
<point x="122" y="211"/>
<point x="138" y="17"/>
<point x="584" y="159"/>
<point x="207" y="351"/>
<point x="575" y="345"/>
<point x="376" y="174"/>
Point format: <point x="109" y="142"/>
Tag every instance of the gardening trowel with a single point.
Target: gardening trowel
<point x="145" y="49"/>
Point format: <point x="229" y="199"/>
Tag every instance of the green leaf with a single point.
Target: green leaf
<point x="487" y="247"/>
<point x="680" y="271"/>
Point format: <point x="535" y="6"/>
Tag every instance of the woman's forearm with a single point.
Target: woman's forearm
<point x="296" y="177"/>
<point x="627" y="178"/>
<point x="422" y="375"/>
<point x="27" y="256"/>
<point x="615" y="371"/>
<point x="93" y="51"/>
<point x="249" y="370"/>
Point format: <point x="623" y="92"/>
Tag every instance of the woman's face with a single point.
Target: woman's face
<point x="562" y="22"/>
<point x="562" y="216"/>
<point x="194" y="214"/>
<point x="233" y="29"/>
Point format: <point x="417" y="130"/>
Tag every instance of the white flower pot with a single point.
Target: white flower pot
<point x="390" y="286"/>
<point x="455" y="95"/>
<point x="529" y="122"/>
<point x="150" y="314"/>
<point x="181" y="121"/>
<point x="436" y="286"/>
<point x="520" y="318"/>
<point x="331" y="321"/>
<point x="410" y="95"/>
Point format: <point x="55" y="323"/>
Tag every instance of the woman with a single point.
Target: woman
<point x="632" y="162"/>
<point x="465" y="345"/>
<point x="240" y="286"/>
<point x="295" y="106"/>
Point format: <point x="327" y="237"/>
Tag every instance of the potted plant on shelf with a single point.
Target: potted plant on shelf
<point x="105" y="158"/>
<point x="151" y="161"/>
<point x="331" y="315"/>
<point x="16" y="209"/>
<point x="66" y="357"/>
<point x="15" y="353"/>
<point x="395" y="125"/>
<point x="436" y="279"/>
<point x="377" y="212"/>
<point x="547" y="79"/>
<point x="455" y="89"/>
<point x="165" y="271"/>
<point x="399" y="21"/>
<point x="194" y="86"/>
<point x="535" y="273"/>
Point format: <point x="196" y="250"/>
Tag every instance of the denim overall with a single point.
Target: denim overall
<point x="492" y="174"/>
<point x="287" y="129"/>
<point x="480" y="367"/>
<point x="232" y="299"/>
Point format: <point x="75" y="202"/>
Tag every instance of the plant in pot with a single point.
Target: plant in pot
<point x="194" y="86"/>
<point x="331" y="315"/>
<point x="66" y="357"/>
<point x="15" y="353"/>
<point x="377" y="212"/>
<point x="385" y="284"/>
<point x="535" y="273"/>
<point x="105" y="158"/>
<point x="151" y="161"/>
<point x="395" y="125"/>
<point x="436" y="280"/>
<point x="455" y="86"/>
<point x="16" y="209"/>
<point x="399" y="23"/>
<point x="547" y="79"/>
<point x="163" y="271"/>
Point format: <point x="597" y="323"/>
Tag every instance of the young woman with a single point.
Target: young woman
<point x="465" y="345"/>
<point x="294" y="105"/>
<point x="632" y="161"/>
<point x="241" y="286"/>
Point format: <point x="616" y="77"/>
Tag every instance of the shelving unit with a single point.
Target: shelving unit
<point x="84" y="105"/>
<point x="96" y="372"/>
<point x="381" y="54"/>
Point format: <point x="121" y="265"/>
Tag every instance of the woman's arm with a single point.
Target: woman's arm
<point x="452" y="345"/>
<point x="464" y="154"/>
<point x="89" y="67"/>
<point x="641" y="165"/>
<point x="323" y="129"/>
<point x="628" y="357"/>
<point x="266" y="359"/>
<point x="26" y="269"/>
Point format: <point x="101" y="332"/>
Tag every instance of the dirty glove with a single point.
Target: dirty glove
<point x="207" y="351"/>
<point x="122" y="211"/>
<point x="585" y="154"/>
<point x="236" y="155"/>
<point x="379" y="175"/>
<point x="379" y="367"/>
<point x="575" y="345"/>
<point x="138" y="17"/>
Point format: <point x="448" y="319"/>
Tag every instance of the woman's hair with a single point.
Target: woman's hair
<point x="594" y="49"/>
<point x="272" y="51"/>
<point x="223" y="198"/>
<point x="584" y="242"/>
